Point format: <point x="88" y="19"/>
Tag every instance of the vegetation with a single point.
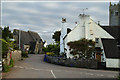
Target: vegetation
<point x="6" y="33"/>
<point x="54" y="48"/>
<point x="57" y="34"/>
<point x="6" y="68"/>
<point x="7" y="42"/>
<point x="84" y="48"/>
<point x="24" y="54"/>
<point x="50" y="53"/>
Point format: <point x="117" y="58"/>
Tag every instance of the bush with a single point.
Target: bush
<point x="55" y="48"/>
<point x="6" y="68"/>
<point x="50" y="53"/>
<point x="24" y="54"/>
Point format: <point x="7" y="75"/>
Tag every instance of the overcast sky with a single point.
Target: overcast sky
<point x="45" y="17"/>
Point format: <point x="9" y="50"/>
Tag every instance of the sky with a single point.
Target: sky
<point x="45" y="17"/>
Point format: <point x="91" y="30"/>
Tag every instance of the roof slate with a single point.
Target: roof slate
<point x="113" y="30"/>
<point x="110" y="45"/>
<point x="28" y="37"/>
<point x="110" y="48"/>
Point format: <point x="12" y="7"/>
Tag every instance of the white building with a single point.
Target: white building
<point x="88" y="29"/>
<point x="45" y="44"/>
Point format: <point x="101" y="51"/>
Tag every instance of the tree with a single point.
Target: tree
<point x="57" y="34"/>
<point x="55" y="48"/>
<point x="7" y="43"/>
<point x="6" y="33"/>
<point x="83" y="47"/>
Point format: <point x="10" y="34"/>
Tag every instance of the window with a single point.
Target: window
<point x="96" y="40"/>
<point x="116" y="13"/>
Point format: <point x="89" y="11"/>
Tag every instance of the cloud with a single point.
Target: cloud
<point x="45" y="17"/>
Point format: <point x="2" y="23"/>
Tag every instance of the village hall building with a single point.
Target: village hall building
<point x="106" y="37"/>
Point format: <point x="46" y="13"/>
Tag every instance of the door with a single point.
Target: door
<point x="98" y="57"/>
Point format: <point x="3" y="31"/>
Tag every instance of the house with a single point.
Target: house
<point x="112" y="47"/>
<point x="28" y="41"/>
<point x="107" y="38"/>
<point x="88" y="29"/>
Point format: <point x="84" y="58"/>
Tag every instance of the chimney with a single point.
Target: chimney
<point x="63" y="20"/>
<point x="76" y="23"/>
<point x="98" y="22"/>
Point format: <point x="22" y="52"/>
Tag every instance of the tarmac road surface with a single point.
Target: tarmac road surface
<point x="35" y="67"/>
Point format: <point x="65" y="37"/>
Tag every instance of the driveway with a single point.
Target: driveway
<point x="35" y="67"/>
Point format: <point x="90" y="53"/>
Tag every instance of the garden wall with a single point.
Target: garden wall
<point x="15" y="55"/>
<point x="81" y="63"/>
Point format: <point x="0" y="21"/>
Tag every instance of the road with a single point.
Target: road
<point x="35" y="67"/>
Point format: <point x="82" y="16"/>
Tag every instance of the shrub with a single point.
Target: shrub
<point x="50" y="53"/>
<point x="6" y="68"/>
<point x="55" y="48"/>
<point x="24" y="54"/>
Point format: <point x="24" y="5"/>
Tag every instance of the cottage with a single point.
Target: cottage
<point x="28" y="41"/>
<point x="88" y="29"/>
<point x="107" y="38"/>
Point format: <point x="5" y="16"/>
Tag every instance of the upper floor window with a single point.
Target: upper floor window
<point x="116" y="13"/>
<point x="96" y="40"/>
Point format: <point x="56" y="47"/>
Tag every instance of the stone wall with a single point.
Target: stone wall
<point x="15" y="55"/>
<point x="81" y="63"/>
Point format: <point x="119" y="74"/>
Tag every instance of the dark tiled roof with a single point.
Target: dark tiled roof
<point x="29" y="38"/>
<point x="35" y="36"/>
<point x="25" y="38"/>
<point x="110" y="48"/>
<point x="113" y="30"/>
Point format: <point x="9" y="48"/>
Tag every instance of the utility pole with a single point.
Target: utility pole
<point x="19" y="38"/>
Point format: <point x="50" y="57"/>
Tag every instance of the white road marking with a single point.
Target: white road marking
<point x="53" y="74"/>
<point x="20" y="67"/>
<point x="15" y="66"/>
<point x="89" y="74"/>
<point x="101" y="75"/>
<point x="31" y="68"/>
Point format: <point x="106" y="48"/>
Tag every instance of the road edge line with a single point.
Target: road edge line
<point x="53" y="73"/>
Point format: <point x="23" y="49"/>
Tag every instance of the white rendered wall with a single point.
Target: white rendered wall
<point x="85" y="27"/>
<point x="96" y="30"/>
<point x="63" y="33"/>
<point x="112" y="63"/>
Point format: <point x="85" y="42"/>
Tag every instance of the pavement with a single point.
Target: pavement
<point x="35" y="67"/>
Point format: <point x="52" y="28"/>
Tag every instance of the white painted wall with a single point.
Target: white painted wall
<point x="63" y="33"/>
<point x="85" y="27"/>
<point x="112" y="63"/>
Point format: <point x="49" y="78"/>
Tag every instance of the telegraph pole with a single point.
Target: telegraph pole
<point x="19" y="38"/>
